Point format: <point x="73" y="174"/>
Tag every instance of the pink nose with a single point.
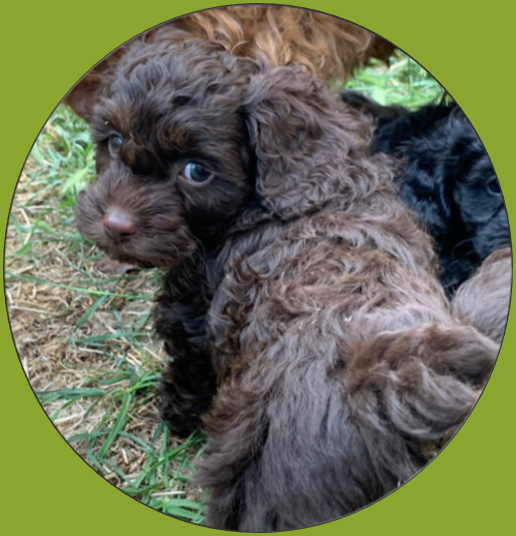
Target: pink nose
<point x="118" y="223"/>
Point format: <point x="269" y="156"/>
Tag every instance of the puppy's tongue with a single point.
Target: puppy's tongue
<point x="112" y="267"/>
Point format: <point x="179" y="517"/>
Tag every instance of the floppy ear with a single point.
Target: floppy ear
<point x="309" y="145"/>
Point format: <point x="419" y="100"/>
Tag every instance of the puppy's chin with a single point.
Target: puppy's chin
<point x="143" y="258"/>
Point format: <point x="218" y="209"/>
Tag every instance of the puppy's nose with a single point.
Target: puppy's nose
<point x="119" y="224"/>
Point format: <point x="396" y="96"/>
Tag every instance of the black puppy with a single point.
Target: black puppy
<point x="449" y="181"/>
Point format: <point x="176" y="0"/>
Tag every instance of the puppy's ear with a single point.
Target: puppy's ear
<point x="304" y="154"/>
<point x="83" y="97"/>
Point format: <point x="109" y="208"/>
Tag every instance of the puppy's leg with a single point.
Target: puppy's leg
<point x="285" y="452"/>
<point x="416" y="386"/>
<point x="285" y="458"/>
<point x="483" y="300"/>
<point x="189" y="383"/>
<point x="297" y="444"/>
<point x="237" y="427"/>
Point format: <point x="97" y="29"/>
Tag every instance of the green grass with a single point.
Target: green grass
<point x="404" y="82"/>
<point x="60" y="165"/>
<point x="120" y="390"/>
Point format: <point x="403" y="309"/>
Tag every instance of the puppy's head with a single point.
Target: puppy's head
<point x="452" y="184"/>
<point x="172" y="158"/>
<point x="190" y="137"/>
<point x="477" y="193"/>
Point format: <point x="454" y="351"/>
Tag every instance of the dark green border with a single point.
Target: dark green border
<point x="46" y="47"/>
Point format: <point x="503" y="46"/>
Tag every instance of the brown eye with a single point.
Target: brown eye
<point x="115" y="142"/>
<point x="196" y="173"/>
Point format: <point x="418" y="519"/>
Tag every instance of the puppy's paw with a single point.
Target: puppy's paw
<point x="187" y="389"/>
<point x="182" y="414"/>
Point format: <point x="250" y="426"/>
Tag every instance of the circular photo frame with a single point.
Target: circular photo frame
<point x="86" y="343"/>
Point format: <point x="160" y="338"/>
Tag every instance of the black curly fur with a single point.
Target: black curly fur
<point x="189" y="383"/>
<point x="449" y="181"/>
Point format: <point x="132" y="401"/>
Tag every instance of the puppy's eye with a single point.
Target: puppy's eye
<point x="494" y="186"/>
<point x="196" y="173"/>
<point x="115" y="142"/>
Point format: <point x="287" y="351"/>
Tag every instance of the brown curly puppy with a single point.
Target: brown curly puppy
<point x="301" y="307"/>
<point x="330" y="46"/>
<point x="483" y="300"/>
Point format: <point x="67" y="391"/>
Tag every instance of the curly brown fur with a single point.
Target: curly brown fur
<point x="483" y="300"/>
<point x="300" y="288"/>
<point x="333" y="48"/>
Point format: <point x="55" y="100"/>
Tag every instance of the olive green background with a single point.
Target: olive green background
<point x="46" y="47"/>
